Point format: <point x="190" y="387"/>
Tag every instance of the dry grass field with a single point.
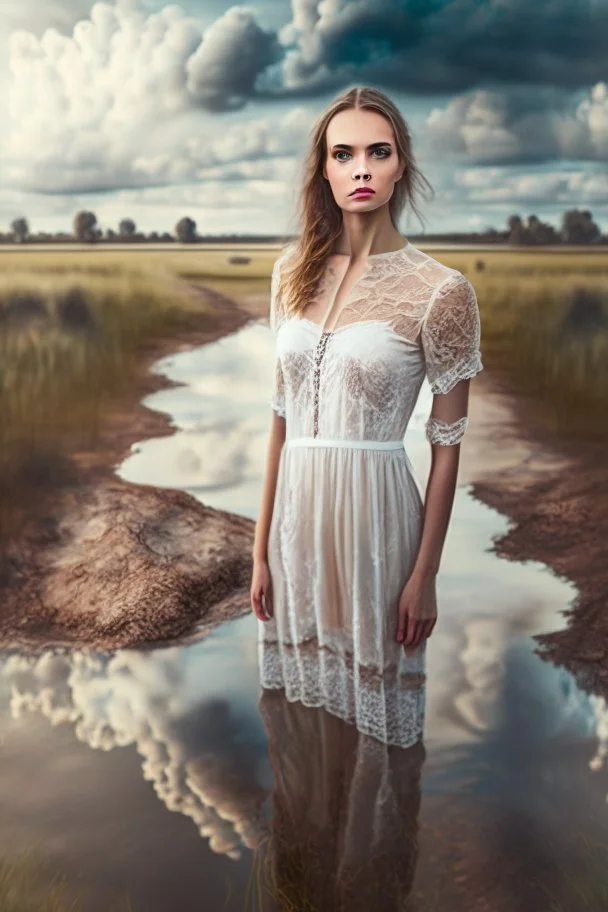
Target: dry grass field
<point x="73" y="321"/>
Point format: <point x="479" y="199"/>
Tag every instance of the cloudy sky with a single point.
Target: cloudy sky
<point x="156" y="110"/>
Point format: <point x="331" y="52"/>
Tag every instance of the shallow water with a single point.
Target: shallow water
<point x="503" y="806"/>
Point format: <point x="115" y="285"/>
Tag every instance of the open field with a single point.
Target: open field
<point x="73" y="321"/>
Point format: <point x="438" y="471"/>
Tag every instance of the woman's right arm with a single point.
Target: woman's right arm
<point x="261" y="597"/>
<point x="261" y="582"/>
<point x="276" y="440"/>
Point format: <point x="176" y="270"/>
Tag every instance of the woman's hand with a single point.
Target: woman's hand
<point x="417" y="612"/>
<point x="261" y="591"/>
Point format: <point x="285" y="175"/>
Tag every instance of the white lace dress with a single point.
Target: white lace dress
<point x="347" y="517"/>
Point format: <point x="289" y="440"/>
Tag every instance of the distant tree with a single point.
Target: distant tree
<point x="166" y="236"/>
<point x="519" y="234"/>
<point x="541" y="232"/>
<point x="186" y="230"/>
<point x="110" y="234"/>
<point x="85" y="226"/>
<point x="578" y="227"/>
<point x="20" y="229"/>
<point x="153" y="236"/>
<point x="126" y="228"/>
<point x="533" y="231"/>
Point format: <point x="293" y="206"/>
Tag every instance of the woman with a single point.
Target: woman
<point x="346" y="554"/>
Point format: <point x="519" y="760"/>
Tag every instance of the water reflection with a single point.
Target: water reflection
<point x="192" y="742"/>
<point x="345" y="812"/>
<point x="334" y="816"/>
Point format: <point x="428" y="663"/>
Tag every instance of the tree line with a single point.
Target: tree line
<point x="577" y="226"/>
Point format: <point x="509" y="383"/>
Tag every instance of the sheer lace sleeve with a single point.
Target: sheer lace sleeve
<point x="450" y="334"/>
<point x="277" y="397"/>
<point x="450" y="337"/>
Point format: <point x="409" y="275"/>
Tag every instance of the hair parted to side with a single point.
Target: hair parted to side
<point x="319" y="216"/>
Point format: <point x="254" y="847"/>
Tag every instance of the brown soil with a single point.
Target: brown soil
<point x="555" y="492"/>
<point x="109" y="564"/>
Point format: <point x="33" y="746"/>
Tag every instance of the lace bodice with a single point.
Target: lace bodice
<point x="408" y="316"/>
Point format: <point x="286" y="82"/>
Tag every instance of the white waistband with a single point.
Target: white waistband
<point x="336" y="442"/>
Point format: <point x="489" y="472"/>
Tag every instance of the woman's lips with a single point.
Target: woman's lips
<point x="362" y="193"/>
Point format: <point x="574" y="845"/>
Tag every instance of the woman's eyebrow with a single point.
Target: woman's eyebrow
<point x="350" y="148"/>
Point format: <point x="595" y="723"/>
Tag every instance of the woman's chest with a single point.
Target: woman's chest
<point x="366" y="355"/>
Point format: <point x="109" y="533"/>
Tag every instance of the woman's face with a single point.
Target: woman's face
<point x="361" y="152"/>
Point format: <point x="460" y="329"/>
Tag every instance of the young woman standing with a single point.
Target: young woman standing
<point x="346" y="553"/>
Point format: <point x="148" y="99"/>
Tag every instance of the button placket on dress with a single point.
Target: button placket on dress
<point x="324" y="339"/>
<point x="319" y="353"/>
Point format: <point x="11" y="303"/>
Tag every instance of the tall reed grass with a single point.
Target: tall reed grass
<point x="28" y="885"/>
<point x="69" y="341"/>
<point x="548" y="336"/>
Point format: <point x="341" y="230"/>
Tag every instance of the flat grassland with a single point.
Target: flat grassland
<point x="73" y="322"/>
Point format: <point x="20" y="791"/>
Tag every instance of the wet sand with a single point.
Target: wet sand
<point x="555" y="493"/>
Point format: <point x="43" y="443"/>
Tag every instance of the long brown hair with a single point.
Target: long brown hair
<point x="319" y="216"/>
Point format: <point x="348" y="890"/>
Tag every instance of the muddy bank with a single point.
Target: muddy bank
<point x="112" y="564"/>
<point x="556" y="494"/>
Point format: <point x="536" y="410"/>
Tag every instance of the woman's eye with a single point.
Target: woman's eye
<point x="384" y="153"/>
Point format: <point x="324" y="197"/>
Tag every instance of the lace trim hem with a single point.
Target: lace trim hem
<point x="388" y="706"/>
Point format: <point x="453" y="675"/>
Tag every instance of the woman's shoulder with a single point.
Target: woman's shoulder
<point x="286" y="252"/>
<point x="430" y="270"/>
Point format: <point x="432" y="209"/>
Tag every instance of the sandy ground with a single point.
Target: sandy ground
<point x="555" y="493"/>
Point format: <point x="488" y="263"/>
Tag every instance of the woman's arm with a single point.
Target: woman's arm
<point x="450" y="337"/>
<point x="447" y="422"/>
<point x="278" y="427"/>
<point x="273" y="454"/>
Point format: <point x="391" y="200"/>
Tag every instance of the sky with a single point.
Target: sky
<point x="155" y="111"/>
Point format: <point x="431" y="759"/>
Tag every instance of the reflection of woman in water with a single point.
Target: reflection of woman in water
<point x="346" y="553"/>
<point x="345" y="809"/>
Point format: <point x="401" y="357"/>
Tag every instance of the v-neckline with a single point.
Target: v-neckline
<point x="364" y="274"/>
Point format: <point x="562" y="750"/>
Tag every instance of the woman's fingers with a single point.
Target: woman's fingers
<point x="258" y="608"/>
<point x="262" y="605"/>
<point x="418" y="630"/>
<point x="267" y="604"/>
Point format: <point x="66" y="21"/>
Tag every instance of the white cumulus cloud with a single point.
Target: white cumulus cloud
<point x="126" y="100"/>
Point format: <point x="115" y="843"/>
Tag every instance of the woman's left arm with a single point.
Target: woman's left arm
<point x="450" y="337"/>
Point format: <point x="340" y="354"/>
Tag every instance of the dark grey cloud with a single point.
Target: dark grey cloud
<point x="444" y="45"/>
<point x="232" y="53"/>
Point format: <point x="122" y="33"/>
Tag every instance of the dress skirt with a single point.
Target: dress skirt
<point x="343" y="540"/>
